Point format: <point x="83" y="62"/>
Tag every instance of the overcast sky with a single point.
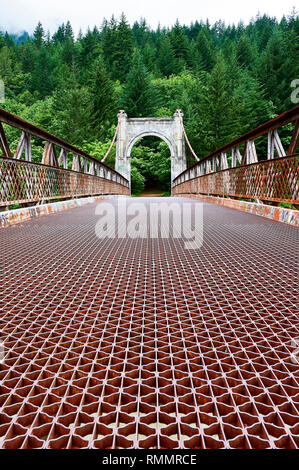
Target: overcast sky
<point x="19" y="15"/>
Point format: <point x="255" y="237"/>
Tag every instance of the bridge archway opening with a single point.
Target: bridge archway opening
<point x="131" y="130"/>
<point x="150" y="157"/>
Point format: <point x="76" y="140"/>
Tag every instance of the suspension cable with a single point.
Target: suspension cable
<point x="114" y="137"/>
<point x="184" y="132"/>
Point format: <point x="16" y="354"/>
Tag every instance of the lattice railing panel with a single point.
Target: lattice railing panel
<point x="22" y="181"/>
<point x="271" y="180"/>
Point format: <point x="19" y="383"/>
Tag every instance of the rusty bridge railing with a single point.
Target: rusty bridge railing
<point x="24" y="181"/>
<point x="230" y="172"/>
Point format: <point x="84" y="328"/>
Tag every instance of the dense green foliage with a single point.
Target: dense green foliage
<point x="226" y="79"/>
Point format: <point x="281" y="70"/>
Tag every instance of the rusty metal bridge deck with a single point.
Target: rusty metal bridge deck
<point x="140" y="343"/>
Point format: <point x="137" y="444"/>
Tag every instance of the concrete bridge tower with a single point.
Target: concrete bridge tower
<point x="132" y="129"/>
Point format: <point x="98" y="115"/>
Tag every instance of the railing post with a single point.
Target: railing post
<point x="234" y="158"/>
<point x="294" y="140"/>
<point x="28" y="147"/>
<point x="278" y="144"/>
<point x="49" y="155"/>
<point x="213" y="164"/>
<point x="85" y="165"/>
<point x="76" y="165"/>
<point x="4" y="144"/>
<point x="270" y="148"/>
<point x="223" y="161"/>
<point x="92" y="168"/>
<point x="20" y="147"/>
<point x="274" y="142"/>
<point x="24" y="143"/>
<point x="251" y="155"/>
<point x="63" y="159"/>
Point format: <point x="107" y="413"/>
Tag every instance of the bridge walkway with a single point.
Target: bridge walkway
<point x="120" y="343"/>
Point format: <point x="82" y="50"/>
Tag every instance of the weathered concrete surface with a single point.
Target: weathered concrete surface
<point x="133" y="129"/>
<point x="279" y="214"/>
<point x="17" y="216"/>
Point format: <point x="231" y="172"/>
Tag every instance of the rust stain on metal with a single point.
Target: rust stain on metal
<point x="17" y="216"/>
<point x="280" y="214"/>
<point x="24" y="182"/>
<point x="270" y="180"/>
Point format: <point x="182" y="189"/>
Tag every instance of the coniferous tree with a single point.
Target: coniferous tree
<point x="9" y="41"/>
<point x="2" y="40"/>
<point x="59" y="35"/>
<point x="274" y="70"/>
<point x="27" y="56"/>
<point x="250" y="106"/>
<point x="218" y="118"/>
<point x="89" y="51"/>
<point x="108" y="40"/>
<point x="6" y="64"/>
<point x="245" y="52"/>
<point x="41" y="77"/>
<point x="180" y="45"/>
<point x="123" y="48"/>
<point x="264" y="26"/>
<point x="239" y="77"/>
<point x="206" y="56"/>
<point x="68" y="34"/>
<point x="39" y="35"/>
<point x="139" y="98"/>
<point x="71" y="108"/>
<point x="102" y="97"/>
<point x="167" y="63"/>
<point x="140" y="33"/>
<point x="149" y="58"/>
<point x="194" y="30"/>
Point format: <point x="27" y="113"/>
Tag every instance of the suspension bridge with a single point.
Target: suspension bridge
<point x="139" y="342"/>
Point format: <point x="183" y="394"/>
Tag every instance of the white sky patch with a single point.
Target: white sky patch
<point x="19" y="15"/>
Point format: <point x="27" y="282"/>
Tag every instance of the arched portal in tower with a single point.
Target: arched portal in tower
<point x="133" y="129"/>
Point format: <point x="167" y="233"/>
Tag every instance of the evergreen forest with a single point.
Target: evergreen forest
<point x="227" y="79"/>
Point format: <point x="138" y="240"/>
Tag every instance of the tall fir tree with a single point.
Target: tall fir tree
<point x="71" y="108"/>
<point x="139" y="98"/>
<point x="204" y="47"/>
<point x="149" y="58"/>
<point x="123" y="49"/>
<point x="218" y="126"/>
<point x="103" y="106"/>
<point x="2" y="40"/>
<point x="246" y="52"/>
<point x="42" y="75"/>
<point x="27" y="56"/>
<point x="274" y="66"/>
<point x="180" y="45"/>
<point x="39" y="35"/>
<point x="69" y="34"/>
<point x="108" y="40"/>
<point x="59" y="35"/>
<point x="167" y="63"/>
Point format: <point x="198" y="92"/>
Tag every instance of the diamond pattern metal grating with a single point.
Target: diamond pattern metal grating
<point x="144" y="344"/>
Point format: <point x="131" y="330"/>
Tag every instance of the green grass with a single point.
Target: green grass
<point x="15" y="206"/>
